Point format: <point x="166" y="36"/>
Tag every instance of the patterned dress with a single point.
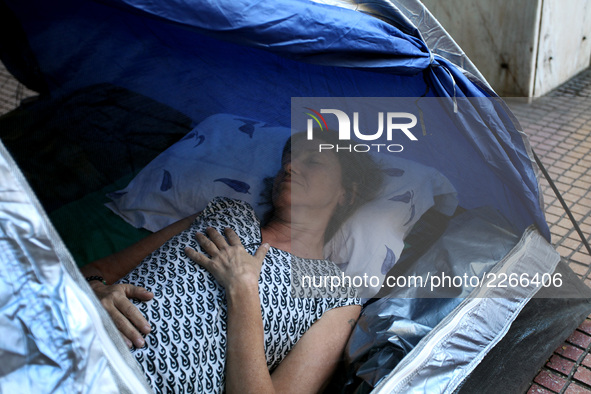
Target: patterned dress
<point x="186" y="350"/>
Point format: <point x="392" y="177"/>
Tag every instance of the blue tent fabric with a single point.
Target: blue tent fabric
<point x="299" y="30"/>
<point x="249" y="58"/>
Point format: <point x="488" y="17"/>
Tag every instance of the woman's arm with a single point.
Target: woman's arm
<point x="307" y="368"/>
<point x="115" y="298"/>
<point x="246" y="363"/>
<point x="310" y="364"/>
<point x="116" y="266"/>
<point x="313" y="358"/>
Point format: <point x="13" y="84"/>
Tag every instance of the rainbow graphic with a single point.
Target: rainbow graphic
<point x="315" y="116"/>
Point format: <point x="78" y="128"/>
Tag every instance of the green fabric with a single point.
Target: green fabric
<point x="90" y="230"/>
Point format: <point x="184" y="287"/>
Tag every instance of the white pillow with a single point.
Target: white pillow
<point x="229" y="156"/>
<point x="370" y="242"/>
<point x="225" y="155"/>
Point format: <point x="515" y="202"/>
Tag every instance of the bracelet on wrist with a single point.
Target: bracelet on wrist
<point x="96" y="277"/>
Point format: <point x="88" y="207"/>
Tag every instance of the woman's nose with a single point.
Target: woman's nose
<point x="288" y="165"/>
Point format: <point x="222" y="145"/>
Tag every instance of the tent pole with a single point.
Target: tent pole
<point x="562" y="202"/>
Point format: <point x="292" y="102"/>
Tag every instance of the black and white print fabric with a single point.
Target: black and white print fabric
<point x="185" y="352"/>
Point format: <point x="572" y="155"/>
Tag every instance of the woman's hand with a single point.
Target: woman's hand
<point x="126" y="316"/>
<point x="238" y="271"/>
<point x="229" y="263"/>
<point x="115" y="298"/>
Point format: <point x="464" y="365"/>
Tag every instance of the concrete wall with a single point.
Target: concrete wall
<point x="565" y="43"/>
<point x="523" y="48"/>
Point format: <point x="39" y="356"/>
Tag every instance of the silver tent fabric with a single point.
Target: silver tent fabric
<point x="433" y="337"/>
<point x="451" y="351"/>
<point x="55" y="336"/>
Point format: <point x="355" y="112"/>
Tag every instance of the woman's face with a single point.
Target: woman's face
<point x="309" y="178"/>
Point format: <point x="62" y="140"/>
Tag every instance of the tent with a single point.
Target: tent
<point x="122" y="80"/>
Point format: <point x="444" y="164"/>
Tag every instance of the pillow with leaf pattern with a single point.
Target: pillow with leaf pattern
<point x="225" y="155"/>
<point x="410" y="189"/>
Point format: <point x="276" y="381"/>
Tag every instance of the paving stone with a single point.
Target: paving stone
<point x="560" y="231"/>
<point x="583" y="374"/>
<point x="550" y="380"/>
<point x="581" y="192"/>
<point x="580" y="339"/>
<point x="554" y="155"/>
<point x="572" y="243"/>
<point x="560" y="364"/>
<point x="569" y="351"/>
<point x="574" y="388"/>
<point x="555" y="210"/>
<point x="582" y="183"/>
<point x="535" y="389"/>
<point x="585" y="326"/>
<point x="571" y="153"/>
<point x="562" y="164"/>
<point x="581" y="257"/>
<point x="562" y="150"/>
<point x="580" y="210"/>
<point x="564" y="251"/>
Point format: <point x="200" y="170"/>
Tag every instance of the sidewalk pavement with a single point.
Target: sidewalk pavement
<point x="559" y="128"/>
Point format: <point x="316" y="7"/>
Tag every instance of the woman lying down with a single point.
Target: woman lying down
<point x="222" y="309"/>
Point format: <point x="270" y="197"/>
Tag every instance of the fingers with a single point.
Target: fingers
<point x="215" y="242"/>
<point x="131" y="323"/>
<point x="217" y="238"/>
<point x="126" y="316"/>
<point x="228" y="261"/>
<point x="206" y="244"/>
<point x="232" y="237"/>
<point x="138" y="292"/>
<point x="262" y="251"/>
<point x="197" y="257"/>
